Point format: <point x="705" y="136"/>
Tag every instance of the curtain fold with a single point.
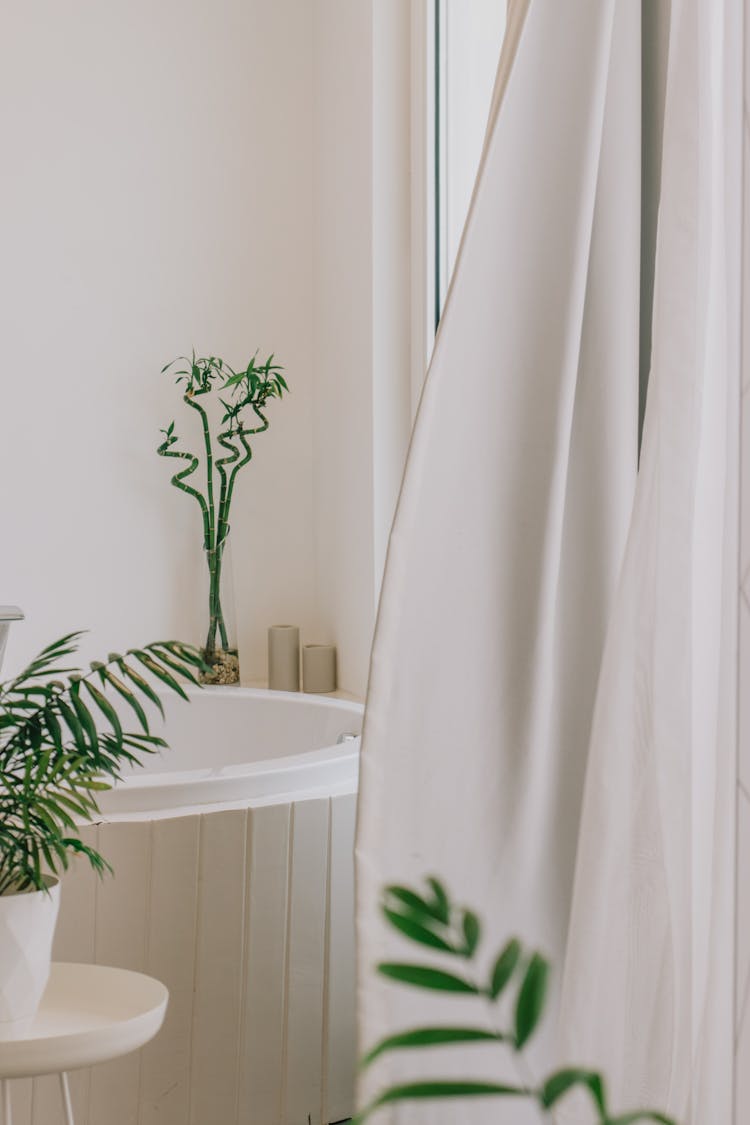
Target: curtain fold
<point x="580" y="793"/>
<point x="652" y="917"/>
<point x="511" y="527"/>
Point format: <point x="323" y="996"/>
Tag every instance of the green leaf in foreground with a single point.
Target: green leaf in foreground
<point x="531" y="997"/>
<point x="505" y="967"/>
<point x="557" y="1085"/>
<point x="420" y="976"/>
<point x="416" y="1091"/>
<point x="413" y="902"/>
<point x="441" y="902"/>
<point x="431" y="1037"/>
<point x="472" y="931"/>
<point x="415" y="931"/>
<point x="436" y="916"/>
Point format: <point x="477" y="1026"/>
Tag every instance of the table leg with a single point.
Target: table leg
<point x="5" y="1093"/>
<point x="67" y="1104"/>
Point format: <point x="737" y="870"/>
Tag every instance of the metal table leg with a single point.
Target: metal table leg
<point x="67" y="1104"/>
<point x="5" y="1094"/>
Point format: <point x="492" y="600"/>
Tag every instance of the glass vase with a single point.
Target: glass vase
<point x="219" y="646"/>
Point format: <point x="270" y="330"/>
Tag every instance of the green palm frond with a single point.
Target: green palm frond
<point x="64" y="738"/>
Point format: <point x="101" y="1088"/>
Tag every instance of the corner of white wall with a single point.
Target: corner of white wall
<point x="362" y="279"/>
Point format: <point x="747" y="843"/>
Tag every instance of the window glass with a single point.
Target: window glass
<point x="468" y="39"/>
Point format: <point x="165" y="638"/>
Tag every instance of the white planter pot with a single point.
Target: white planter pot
<point x="27" y="926"/>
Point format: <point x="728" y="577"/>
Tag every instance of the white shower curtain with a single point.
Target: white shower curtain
<point x="505" y="572"/>
<point x="652" y="917"/>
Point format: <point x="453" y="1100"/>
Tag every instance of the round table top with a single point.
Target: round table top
<point x="88" y="1014"/>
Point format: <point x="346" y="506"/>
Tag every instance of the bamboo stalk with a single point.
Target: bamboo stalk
<point x="252" y="387"/>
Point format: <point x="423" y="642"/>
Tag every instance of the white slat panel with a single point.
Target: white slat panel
<point x="262" y="1035"/>
<point x="121" y="928"/>
<point x="232" y="915"/>
<point x="74" y="936"/>
<point x="74" y="941"/>
<point x="306" y="961"/>
<point x="742" y="969"/>
<point x="20" y="1097"/>
<point x="341" y="1027"/>
<point x="165" y="1062"/>
<point x="218" y="970"/>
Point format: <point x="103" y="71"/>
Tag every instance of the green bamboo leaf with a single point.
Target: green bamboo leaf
<point x="415" y="931"/>
<point x="83" y="713"/>
<point x="143" y="685"/>
<point x="557" y="1085"/>
<point x="188" y="653"/>
<point x="419" y="1091"/>
<point x="54" y="730"/>
<point x="144" y="743"/>
<point x="531" y="998"/>
<point x="159" y="672"/>
<point x="124" y="691"/>
<point x="183" y="669"/>
<point x="34" y="734"/>
<point x="420" y="907"/>
<point x="472" y="930"/>
<point x="504" y="967"/>
<point x="421" y="976"/>
<point x="70" y="718"/>
<point x="96" y="860"/>
<point x="441" y="902"/>
<point x="43" y="764"/>
<point x="105" y="707"/>
<point x="432" y="1037"/>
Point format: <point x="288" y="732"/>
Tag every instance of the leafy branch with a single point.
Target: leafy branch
<point x="242" y="393"/>
<point x="63" y="740"/>
<point x="431" y="919"/>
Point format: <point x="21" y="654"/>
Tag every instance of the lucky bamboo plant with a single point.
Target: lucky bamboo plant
<point x="431" y="919"/>
<point x="242" y="397"/>
<point x="63" y="740"/>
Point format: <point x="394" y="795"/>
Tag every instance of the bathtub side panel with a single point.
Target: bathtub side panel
<point x="170" y="957"/>
<point x="21" y="1093"/>
<point x="341" y="1029"/>
<point x="303" y="1085"/>
<point x="218" y="968"/>
<point x="121" y="929"/>
<point x="262" y="1037"/>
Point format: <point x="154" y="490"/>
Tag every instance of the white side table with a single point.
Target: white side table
<point x="89" y="1014"/>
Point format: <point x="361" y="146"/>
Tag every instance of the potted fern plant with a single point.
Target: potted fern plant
<point x="64" y="736"/>
<point x="231" y="410"/>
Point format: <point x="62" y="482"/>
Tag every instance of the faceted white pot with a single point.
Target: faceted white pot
<point x="27" y="926"/>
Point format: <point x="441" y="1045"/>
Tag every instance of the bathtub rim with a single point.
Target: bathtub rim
<point x="307" y="774"/>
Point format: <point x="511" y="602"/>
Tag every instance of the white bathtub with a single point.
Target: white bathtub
<point x="233" y="860"/>
<point x="247" y="746"/>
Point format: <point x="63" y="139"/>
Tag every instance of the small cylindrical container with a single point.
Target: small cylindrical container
<point x="283" y="658"/>
<point x="319" y="668"/>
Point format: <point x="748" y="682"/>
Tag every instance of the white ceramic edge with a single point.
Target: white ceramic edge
<point x="306" y="774"/>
